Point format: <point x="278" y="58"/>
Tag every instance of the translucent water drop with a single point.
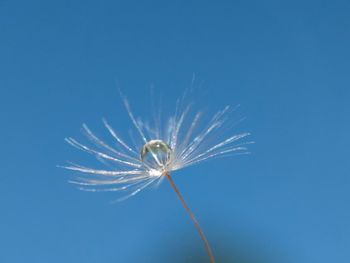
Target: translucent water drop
<point x="156" y="154"/>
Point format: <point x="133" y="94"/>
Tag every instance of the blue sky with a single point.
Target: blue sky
<point x="285" y="62"/>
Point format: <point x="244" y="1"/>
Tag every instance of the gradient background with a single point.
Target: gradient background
<point x="285" y="62"/>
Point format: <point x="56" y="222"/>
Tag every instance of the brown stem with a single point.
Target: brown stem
<point x="193" y="218"/>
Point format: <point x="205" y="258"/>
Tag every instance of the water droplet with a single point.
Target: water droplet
<point x="156" y="154"/>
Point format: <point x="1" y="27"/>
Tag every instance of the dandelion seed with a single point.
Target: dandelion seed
<point x="164" y="149"/>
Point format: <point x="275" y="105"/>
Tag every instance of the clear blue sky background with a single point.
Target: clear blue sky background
<point x="285" y="62"/>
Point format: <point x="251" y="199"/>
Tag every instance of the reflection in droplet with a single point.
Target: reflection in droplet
<point x="156" y="154"/>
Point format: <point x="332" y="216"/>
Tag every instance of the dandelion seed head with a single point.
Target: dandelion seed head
<point x="165" y="145"/>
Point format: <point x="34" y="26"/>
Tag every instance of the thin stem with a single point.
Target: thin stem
<point x="193" y="218"/>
